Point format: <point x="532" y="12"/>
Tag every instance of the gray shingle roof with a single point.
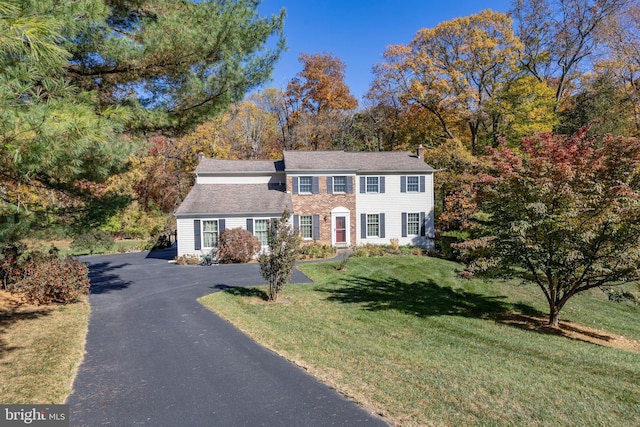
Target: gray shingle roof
<point x="235" y="199"/>
<point x="239" y="166"/>
<point x="363" y="162"/>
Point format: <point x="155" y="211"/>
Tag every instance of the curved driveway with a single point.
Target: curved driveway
<point x="156" y="357"/>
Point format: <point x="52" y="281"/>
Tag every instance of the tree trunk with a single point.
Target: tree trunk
<point x="554" y="315"/>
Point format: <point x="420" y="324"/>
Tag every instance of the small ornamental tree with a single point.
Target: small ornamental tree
<point x="276" y="262"/>
<point x="563" y="212"/>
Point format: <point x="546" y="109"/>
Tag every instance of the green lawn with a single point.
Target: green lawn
<point x="405" y="337"/>
<point x="40" y="350"/>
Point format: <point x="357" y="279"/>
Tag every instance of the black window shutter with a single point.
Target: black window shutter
<point x="250" y="225"/>
<point x="381" y="190"/>
<point x="422" y="184"/>
<point x="363" y="226"/>
<point x="294" y="184"/>
<point x="315" y="185"/>
<point x="197" y="241"/>
<point x="349" y="184"/>
<point x="382" y="225"/>
<point x="316" y="227"/>
<point x="404" y="224"/>
<point x="296" y="222"/>
<point x="423" y="227"/>
<point x="329" y="185"/>
<point x="403" y="184"/>
<point x="363" y="185"/>
<point x="221" y="224"/>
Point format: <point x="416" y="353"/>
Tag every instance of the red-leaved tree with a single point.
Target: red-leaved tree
<point x="563" y="212"/>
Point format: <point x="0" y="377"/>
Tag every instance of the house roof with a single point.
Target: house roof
<point x="207" y="166"/>
<point x="235" y="199"/>
<point x="363" y="162"/>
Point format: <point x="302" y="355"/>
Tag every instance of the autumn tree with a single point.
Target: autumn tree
<point x="317" y="96"/>
<point x="563" y="213"/>
<point x="454" y="69"/>
<point x="622" y="63"/>
<point x="559" y="37"/>
<point x="76" y="77"/>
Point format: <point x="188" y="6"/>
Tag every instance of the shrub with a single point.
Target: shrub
<point x="188" y="260"/>
<point x="93" y="240"/>
<point x="316" y="250"/>
<point x="43" y="278"/>
<point x="237" y="245"/>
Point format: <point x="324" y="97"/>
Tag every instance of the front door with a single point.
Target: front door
<point x="341" y="229"/>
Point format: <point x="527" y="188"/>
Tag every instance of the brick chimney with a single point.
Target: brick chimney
<point x="420" y="151"/>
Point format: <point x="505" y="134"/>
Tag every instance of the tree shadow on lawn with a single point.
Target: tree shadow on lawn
<point x="427" y="298"/>
<point x="240" y="291"/>
<point x="11" y="316"/>
<point x="423" y="299"/>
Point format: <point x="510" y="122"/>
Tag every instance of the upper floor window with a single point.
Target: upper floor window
<point x="305" y="184"/>
<point x="373" y="184"/>
<point x="413" y="184"/>
<point x="339" y="184"/>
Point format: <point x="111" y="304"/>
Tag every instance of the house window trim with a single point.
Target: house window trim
<point x="300" y="184"/>
<point x="417" y="184"/>
<point x="203" y="233"/>
<point x="344" y="185"/>
<point x="302" y="226"/>
<point x="377" y="224"/>
<point x="255" y="230"/>
<point x="377" y="185"/>
<point x="415" y="222"/>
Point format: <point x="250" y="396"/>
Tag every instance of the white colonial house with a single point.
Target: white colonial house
<point x="335" y="197"/>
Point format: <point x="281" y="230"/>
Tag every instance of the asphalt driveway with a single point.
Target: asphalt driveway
<point x="156" y="357"/>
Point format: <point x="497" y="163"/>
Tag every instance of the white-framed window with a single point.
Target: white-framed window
<point x="260" y="230"/>
<point x="210" y="234"/>
<point x="413" y="184"/>
<point x="339" y="184"/>
<point x="373" y="225"/>
<point x="305" y="184"/>
<point x="373" y="184"/>
<point x="306" y="226"/>
<point x="413" y="223"/>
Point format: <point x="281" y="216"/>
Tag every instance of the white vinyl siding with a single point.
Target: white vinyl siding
<point x="394" y="203"/>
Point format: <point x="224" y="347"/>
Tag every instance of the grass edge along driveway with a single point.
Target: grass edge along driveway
<point x="408" y="339"/>
<point x="41" y="349"/>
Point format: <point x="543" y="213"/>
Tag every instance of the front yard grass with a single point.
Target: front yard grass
<point x="40" y="350"/>
<point x="408" y="339"/>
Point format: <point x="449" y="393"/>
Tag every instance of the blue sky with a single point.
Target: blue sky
<point x="358" y="31"/>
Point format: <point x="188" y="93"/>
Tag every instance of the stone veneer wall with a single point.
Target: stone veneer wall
<point x="322" y="204"/>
